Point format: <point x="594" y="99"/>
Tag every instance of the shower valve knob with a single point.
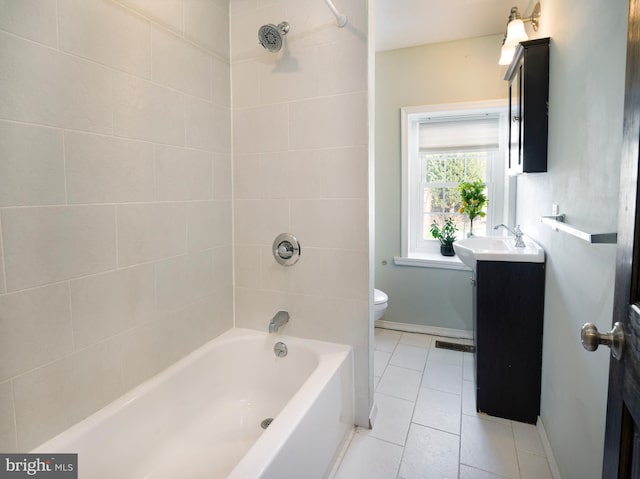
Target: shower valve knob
<point x="286" y="249"/>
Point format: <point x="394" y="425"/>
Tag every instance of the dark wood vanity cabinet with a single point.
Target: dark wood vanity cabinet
<point x="508" y="320"/>
<point x="528" y="77"/>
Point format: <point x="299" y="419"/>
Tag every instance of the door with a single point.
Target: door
<point x="622" y="434"/>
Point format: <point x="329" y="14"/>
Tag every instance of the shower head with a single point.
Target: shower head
<point x="270" y="36"/>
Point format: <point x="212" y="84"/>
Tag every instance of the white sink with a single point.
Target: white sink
<point x="497" y="248"/>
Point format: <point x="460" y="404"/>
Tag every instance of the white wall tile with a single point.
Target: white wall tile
<point x="8" y="442"/>
<point x="183" y="174"/>
<point x="35" y="329"/>
<point x="41" y="85"/>
<point x="261" y="130"/>
<point x="3" y="286"/>
<point x="180" y="65"/>
<point x="259" y="221"/>
<point x="208" y="224"/>
<point x="106" y="33"/>
<point x="207" y="126"/>
<point x="146" y="111"/>
<point x="326" y="223"/>
<point x="101" y="169"/>
<point x="342" y="66"/>
<point x="207" y="23"/>
<point x="295" y="174"/>
<point x="247" y="184"/>
<point x="54" y="397"/>
<point x="329" y="122"/>
<point x="344" y="172"/>
<point x="182" y="280"/>
<point x="221" y="86"/>
<point x="153" y="346"/>
<point x="48" y="244"/>
<point x="255" y="308"/>
<point x="169" y="13"/>
<point x="292" y="75"/>
<point x="33" y="19"/>
<point x="246" y="84"/>
<point x="31" y="165"/>
<point x="222" y="267"/>
<point x="222" y="176"/>
<point x="150" y="231"/>
<point x="107" y="304"/>
<point x="247" y="266"/>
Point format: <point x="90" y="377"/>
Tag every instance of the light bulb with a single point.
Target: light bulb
<point x="515" y="33"/>
<point x="506" y="54"/>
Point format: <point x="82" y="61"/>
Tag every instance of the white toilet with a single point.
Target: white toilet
<point x="380" y="300"/>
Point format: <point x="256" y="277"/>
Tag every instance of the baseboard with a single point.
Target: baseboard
<point x="419" y="328"/>
<point x="546" y="445"/>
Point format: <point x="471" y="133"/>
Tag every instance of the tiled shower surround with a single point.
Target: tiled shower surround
<point x="300" y="166"/>
<point x="119" y="216"/>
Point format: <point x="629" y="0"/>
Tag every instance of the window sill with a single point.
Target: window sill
<point x="432" y="260"/>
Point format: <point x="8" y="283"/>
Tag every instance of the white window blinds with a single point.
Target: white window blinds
<point x="459" y="133"/>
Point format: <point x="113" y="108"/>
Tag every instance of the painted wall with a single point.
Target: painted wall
<point x="465" y="70"/>
<point x="300" y="166"/>
<point x="585" y="130"/>
<point x="115" y="200"/>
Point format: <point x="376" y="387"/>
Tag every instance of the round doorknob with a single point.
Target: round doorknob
<point x="591" y="338"/>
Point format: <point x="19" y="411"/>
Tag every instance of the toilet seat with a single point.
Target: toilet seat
<point x="379" y="297"/>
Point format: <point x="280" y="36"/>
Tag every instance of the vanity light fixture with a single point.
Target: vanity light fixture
<point x="515" y="32"/>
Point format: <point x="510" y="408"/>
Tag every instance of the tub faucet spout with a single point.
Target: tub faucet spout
<point x="516" y="232"/>
<point x="280" y="319"/>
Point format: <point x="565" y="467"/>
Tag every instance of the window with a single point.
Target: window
<point x="444" y="145"/>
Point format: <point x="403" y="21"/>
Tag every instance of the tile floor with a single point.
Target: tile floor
<point x="427" y="426"/>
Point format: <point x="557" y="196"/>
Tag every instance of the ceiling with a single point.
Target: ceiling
<point x="407" y="23"/>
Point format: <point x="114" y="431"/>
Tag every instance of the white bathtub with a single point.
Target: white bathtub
<point x="201" y="417"/>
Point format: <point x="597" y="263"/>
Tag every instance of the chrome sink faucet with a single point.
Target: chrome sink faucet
<point x="516" y="232"/>
<point x="280" y="319"/>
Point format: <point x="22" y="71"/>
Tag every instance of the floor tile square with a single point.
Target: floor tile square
<point x="393" y="419"/>
<point x="438" y="410"/>
<point x="399" y="382"/>
<point x="430" y="454"/>
<point x="446" y="356"/>
<point x="370" y="458"/>
<point x="386" y="340"/>
<point x="527" y="438"/>
<point x="468" y="472"/>
<point x="411" y="357"/>
<point x="380" y="361"/>
<point x="488" y="445"/>
<point x="443" y="377"/>
<point x="533" y="466"/>
<point x="416" y="339"/>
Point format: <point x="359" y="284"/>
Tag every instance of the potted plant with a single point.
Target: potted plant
<point x="446" y="235"/>
<point x="474" y="200"/>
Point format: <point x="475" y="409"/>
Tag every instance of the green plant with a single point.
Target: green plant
<point x="445" y="234"/>
<point x="474" y="198"/>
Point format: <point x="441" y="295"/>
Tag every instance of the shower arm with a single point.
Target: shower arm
<point x="341" y="20"/>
